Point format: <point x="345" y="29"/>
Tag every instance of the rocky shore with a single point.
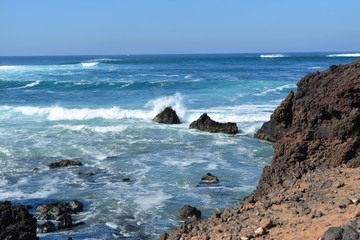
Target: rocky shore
<point x="311" y="189"/>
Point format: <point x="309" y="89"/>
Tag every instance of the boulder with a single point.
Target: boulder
<point x="46" y="227"/>
<point x="341" y="233"/>
<point x="58" y="212"/>
<point x="188" y="211"/>
<point x="205" y="123"/>
<point x="168" y="116"/>
<point x="317" y="127"/>
<point x="209" y="178"/>
<point x="16" y="223"/>
<point x="64" y="163"/>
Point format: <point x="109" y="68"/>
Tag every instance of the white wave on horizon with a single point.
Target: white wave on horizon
<point x="344" y="55"/>
<point x="277" y="55"/>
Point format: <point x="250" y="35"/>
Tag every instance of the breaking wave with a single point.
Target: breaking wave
<point x="272" y="55"/>
<point x="344" y="55"/>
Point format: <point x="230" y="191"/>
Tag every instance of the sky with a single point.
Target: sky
<point x="101" y="27"/>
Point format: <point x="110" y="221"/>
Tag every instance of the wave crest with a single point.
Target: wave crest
<point x="344" y="55"/>
<point x="272" y="55"/>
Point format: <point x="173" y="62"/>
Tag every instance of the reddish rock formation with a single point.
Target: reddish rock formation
<point x="312" y="183"/>
<point x="318" y="126"/>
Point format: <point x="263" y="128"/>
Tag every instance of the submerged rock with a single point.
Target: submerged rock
<point x="64" y="163"/>
<point x="16" y="223"/>
<point x="188" y="211"/>
<point x="168" y="116"/>
<point x="205" y="123"/>
<point x="209" y="178"/>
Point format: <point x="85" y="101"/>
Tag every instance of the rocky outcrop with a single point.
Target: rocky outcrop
<point x="64" y="163"/>
<point x="59" y="213"/>
<point x="312" y="185"/>
<point x="188" y="211"/>
<point x="16" y="223"/>
<point x="205" y="123"/>
<point x="168" y="116"/>
<point x="209" y="178"/>
<point x="316" y="127"/>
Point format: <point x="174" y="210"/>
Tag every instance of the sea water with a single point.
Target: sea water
<point x="99" y="110"/>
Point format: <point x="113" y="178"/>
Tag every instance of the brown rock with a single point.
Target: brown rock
<point x="205" y="123"/>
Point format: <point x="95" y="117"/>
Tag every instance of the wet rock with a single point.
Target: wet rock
<point x="126" y="179"/>
<point x="168" y="116"/>
<point x="64" y="163"/>
<point x="60" y="212"/>
<point x="16" y="223"/>
<point x="209" y="178"/>
<point x="188" y="211"/>
<point x="341" y="233"/>
<point x="46" y="227"/>
<point x="205" y="123"/>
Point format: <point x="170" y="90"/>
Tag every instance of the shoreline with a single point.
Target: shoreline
<point x="310" y="190"/>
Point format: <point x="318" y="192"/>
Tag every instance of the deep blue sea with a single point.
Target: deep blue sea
<point x="99" y="110"/>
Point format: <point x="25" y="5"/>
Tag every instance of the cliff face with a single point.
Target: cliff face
<point x="317" y="127"/>
<point x="312" y="183"/>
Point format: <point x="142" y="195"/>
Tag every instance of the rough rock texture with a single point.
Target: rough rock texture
<point x="318" y="126"/>
<point x="205" y="123"/>
<point x="209" y="178"/>
<point x="58" y="212"/>
<point x="64" y="163"/>
<point x="311" y="190"/>
<point x="188" y="211"/>
<point x="16" y="223"/>
<point x="168" y="116"/>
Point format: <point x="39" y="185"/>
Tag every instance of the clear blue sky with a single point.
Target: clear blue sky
<point x="76" y="27"/>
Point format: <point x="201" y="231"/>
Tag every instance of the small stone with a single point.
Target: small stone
<point x="244" y="238"/>
<point x="188" y="211"/>
<point x="354" y="200"/>
<point x="266" y="223"/>
<point x="339" y="184"/>
<point x="259" y="231"/>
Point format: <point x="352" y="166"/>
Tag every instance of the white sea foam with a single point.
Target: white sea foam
<point x="344" y="55"/>
<point x="151" y="199"/>
<point x="59" y="113"/>
<point x="315" y="67"/>
<point x="276" y="89"/>
<point x="89" y="64"/>
<point x="10" y="68"/>
<point x="272" y="55"/>
<point x="174" y="101"/>
<point x="31" y="84"/>
<point x="93" y="129"/>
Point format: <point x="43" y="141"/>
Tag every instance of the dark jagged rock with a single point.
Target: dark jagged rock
<point x="209" y="178"/>
<point x="64" y="163"/>
<point x="341" y="233"/>
<point x="205" y="123"/>
<point x="188" y="211"/>
<point x="16" y="223"/>
<point x="318" y="126"/>
<point x="45" y="227"/>
<point x="168" y="116"/>
<point x="59" y="212"/>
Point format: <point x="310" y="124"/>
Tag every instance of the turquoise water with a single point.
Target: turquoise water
<point x="98" y="110"/>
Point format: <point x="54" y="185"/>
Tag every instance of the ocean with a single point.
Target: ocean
<point x="99" y="110"/>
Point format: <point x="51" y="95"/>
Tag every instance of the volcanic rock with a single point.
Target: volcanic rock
<point x="59" y="212"/>
<point x="341" y="233"/>
<point x="64" y="163"/>
<point x="209" y="178"/>
<point x="316" y="127"/>
<point x="168" y="116"/>
<point x="205" y="123"/>
<point x="16" y="223"/>
<point x="188" y="211"/>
